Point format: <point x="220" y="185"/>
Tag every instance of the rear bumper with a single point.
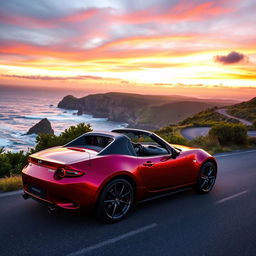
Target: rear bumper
<point x="68" y="206"/>
<point x="68" y="193"/>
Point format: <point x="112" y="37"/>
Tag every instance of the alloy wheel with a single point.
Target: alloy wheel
<point x="118" y="200"/>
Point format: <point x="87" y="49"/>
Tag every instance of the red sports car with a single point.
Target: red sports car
<point x="110" y="171"/>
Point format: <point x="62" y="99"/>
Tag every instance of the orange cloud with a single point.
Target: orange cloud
<point x="184" y="10"/>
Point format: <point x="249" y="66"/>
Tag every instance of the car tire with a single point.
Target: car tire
<point x="206" y="178"/>
<point x="115" y="201"/>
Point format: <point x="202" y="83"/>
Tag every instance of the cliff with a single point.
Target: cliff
<point x="141" y="111"/>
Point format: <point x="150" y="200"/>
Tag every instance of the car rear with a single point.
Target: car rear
<point x="49" y="179"/>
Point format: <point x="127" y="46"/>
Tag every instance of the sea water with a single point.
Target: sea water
<point x="21" y="108"/>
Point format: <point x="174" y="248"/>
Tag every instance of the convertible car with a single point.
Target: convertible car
<point x="109" y="172"/>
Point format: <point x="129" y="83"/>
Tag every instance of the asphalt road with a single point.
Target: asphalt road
<point x="192" y="132"/>
<point x="223" y="111"/>
<point x="222" y="222"/>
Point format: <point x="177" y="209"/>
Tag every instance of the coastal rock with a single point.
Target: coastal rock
<point x="44" y="126"/>
<point x="79" y="112"/>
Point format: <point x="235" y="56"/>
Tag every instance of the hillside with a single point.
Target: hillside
<point x="206" y="118"/>
<point x="141" y="111"/>
<point x="245" y="110"/>
<point x="171" y="113"/>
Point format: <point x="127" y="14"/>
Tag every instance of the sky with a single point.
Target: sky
<point x="190" y="47"/>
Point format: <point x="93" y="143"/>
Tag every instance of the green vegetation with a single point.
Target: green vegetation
<point x="11" y="163"/>
<point x="230" y="134"/>
<point x="245" y="110"/>
<point x="172" y="135"/>
<point x="208" y="117"/>
<point x="208" y="143"/>
<point x="10" y="183"/>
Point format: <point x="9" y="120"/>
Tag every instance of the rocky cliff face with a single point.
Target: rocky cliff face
<point x="139" y="111"/>
<point x="113" y="106"/>
<point x="44" y="126"/>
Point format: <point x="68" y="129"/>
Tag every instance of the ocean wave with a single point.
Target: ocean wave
<point x="31" y="117"/>
<point x="4" y="142"/>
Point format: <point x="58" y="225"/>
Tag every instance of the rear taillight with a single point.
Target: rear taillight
<point x="66" y="172"/>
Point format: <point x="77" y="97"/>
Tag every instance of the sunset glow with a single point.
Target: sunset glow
<point x="136" y="46"/>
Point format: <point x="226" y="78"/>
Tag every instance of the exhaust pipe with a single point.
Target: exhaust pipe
<point x="25" y="196"/>
<point x="52" y="209"/>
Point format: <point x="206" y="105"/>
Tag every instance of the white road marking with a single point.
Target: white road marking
<point x="236" y="153"/>
<point x="112" y="240"/>
<point x="231" y="197"/>
<point x="12" y="193"/>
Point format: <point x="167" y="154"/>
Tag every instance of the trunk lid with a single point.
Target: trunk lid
<point x="63" y="155"/>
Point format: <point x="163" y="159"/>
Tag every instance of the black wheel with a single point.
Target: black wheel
<point x="206" y="178"/>
<point x="115" y="201"/>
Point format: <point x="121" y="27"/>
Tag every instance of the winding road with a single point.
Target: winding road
<point x="219" y="223"/>
<point x="223" y="111"/>
<point x="191" y="133"/>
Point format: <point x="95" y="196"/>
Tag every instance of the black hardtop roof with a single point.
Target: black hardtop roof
<point x="121" y="143"/>
<point x="120" y="130"/>
<point x="105" y="133"/>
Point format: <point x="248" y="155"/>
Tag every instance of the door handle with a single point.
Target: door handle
<point x="148" y="164"/>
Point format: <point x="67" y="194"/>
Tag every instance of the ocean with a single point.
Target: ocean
<point x="21" y="108"/>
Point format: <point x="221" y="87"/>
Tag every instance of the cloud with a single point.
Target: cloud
<point x="181" y="11"/>
<point x="38" y="77"/>
<point x="231" y="58"/>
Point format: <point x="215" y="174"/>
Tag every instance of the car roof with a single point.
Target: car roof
<point x="105" y="133"/>
<point x="132" y="130"/>
<point x="121" y="143"/>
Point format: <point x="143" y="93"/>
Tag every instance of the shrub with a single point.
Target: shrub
<point x="175" y="139"/>
<point x="209" y="143"/>
<point x="167" y="129"/>
<point x="12" y="163"/>
<point x="230" y="134"/>
<point x="44" y="141"/>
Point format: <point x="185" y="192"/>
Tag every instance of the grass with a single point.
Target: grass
<point x="10" y="183"/>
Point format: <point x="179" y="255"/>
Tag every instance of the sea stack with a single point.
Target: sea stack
<point x="44" y="126"/>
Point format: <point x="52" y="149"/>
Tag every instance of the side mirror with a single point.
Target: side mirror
<point x="175" y="153"/>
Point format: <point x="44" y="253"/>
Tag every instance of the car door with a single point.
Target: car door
<point x="163" y="172"/>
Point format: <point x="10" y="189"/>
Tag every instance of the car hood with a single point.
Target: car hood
<point x="64" y="155"/>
